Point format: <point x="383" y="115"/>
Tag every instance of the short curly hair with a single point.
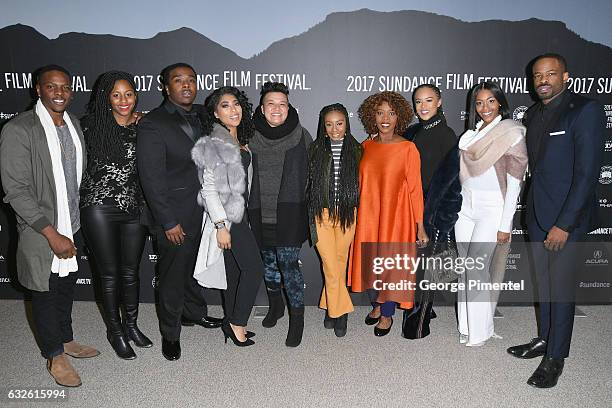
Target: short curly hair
<point x="403" y="109"/>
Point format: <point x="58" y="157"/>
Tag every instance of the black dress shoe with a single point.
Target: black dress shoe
<point x="535" y="348"/>
<point x="340" y="325"/>
<point x="206" y="321"/>
<point x="328" y="322"/>
<point x="382" y="332"/>
<point x="547" y="374"/>
<point x="171" y="349"/>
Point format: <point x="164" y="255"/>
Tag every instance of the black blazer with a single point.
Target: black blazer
<point x="565" y="172"/>
<point x="168" y="175"/>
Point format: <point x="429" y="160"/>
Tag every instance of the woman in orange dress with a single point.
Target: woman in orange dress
<point x="390" y="210"/>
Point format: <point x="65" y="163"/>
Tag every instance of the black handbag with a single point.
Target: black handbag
<point x="440" y="264"/>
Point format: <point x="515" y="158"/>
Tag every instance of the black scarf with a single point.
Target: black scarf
<point x="277" y="132"/>
<point x="342" y="205"/>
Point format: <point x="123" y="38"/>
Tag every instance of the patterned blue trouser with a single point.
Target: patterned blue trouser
<point x="284" y="261"/>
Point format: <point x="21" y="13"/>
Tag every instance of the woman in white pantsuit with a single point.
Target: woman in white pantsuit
<point x="493" y="162"/>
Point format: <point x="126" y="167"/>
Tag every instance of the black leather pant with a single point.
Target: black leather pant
<point x="115" y="240"/>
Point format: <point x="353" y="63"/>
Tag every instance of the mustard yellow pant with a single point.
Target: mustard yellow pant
<point x="333" y="247"/>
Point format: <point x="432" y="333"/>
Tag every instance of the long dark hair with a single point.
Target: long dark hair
<point x="104" y="137"/>
<point x="504" y="108"/>
<point x="245" y="129"/>
<point x="341" y="205"/>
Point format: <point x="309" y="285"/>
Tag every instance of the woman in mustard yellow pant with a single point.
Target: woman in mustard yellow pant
<point x="333" y="198"/>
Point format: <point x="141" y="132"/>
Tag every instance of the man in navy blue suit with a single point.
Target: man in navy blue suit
<point x="564" y="142"/>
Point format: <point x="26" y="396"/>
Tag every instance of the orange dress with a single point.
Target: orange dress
<point x="390" y="205"/>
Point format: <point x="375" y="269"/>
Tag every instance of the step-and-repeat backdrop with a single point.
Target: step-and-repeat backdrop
<point x="343" y="59"/>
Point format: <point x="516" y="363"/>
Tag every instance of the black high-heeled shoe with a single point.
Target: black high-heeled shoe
<point x="229" y="333"/>
<point x="249" y="334"/>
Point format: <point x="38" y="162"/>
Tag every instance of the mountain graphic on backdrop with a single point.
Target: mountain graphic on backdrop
<point x="346" y="46"/>
<point x="344" y="58"/>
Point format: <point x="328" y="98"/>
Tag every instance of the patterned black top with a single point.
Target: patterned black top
<point x="114" y="180"/>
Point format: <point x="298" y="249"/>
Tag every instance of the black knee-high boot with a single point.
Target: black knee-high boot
<point x="114" y="332"/>
<point x="130" y="302"/>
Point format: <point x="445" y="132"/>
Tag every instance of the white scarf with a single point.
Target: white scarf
<point x="61" y="266"/>
<point x="471" y="136"/>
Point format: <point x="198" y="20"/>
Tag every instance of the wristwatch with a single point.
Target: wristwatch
<point x="220" y="225"/>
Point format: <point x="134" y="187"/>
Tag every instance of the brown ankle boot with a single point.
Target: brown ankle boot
<point x="63" y="372"/>
<point x="77" y="350"/>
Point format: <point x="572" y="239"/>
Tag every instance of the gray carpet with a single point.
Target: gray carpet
<point x="358" y="370"/>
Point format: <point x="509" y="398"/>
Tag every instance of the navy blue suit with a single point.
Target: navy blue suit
<point x="564" y="162"/>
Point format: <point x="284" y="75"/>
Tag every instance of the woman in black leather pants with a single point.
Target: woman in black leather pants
<point x="111" y="202"/>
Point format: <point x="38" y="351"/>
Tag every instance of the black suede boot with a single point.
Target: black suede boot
<point x="130" y="302"/>
<point x="276" y="308"/>
<point x="296" y="326"/>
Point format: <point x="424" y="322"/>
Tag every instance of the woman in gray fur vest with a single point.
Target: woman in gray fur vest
<point x="228" y="257"/>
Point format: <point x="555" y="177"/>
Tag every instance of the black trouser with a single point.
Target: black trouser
<point x="244" y="271"/>
<point x="52" y="312"/>
<point x="556" y="278"/>
<point x="115" y="240"/>
<point x="179" y="293"/>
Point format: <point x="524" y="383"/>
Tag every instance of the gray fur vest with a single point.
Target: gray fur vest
<point x="219" y="154"/>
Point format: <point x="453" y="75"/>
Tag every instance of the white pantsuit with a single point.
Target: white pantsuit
<point x="476" y="234"/>
<point x="485" y="210"/>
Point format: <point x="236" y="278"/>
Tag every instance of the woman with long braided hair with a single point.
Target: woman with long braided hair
<point x="111" y="202"/>
<point x="333" y="198"/>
